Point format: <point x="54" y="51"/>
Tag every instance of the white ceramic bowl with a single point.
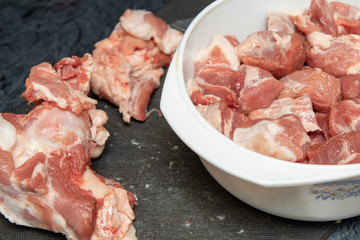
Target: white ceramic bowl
<point x="296" y="191"/>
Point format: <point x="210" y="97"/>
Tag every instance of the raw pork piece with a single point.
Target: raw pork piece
<point x="217" y="82"/>
<point x="284" y="138"/>
<point x="323" y="89"/>
<point x="277" y="52"/>
<point x="319" y="18"/>
<point x="352" y="159"/>
<point x="300" y="106"/>
<point x="344" y="117"/>
<point x="223" y="118"/>
<point x="129" y="63"/>
<point x="46" y="181"/>
<point x="260" y="88"/>
<point x="350" y="86"/>
<point x="337" y="56"/>
<point x="279" y="22"/>
<point x="335" y="150"/>
<point x="347" y="16"/>
<point x="219" y="50"/>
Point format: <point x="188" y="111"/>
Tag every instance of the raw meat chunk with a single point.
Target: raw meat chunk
<point x="319" y="18"/>
<point x="352" y="159"/>
<point x="344" y="117"/>
<point x="300" y="106"/>
<point x="337" y="56"/>
<point x="347" y="16"/>
<point x="283" y="138"/>
<point x="219" y="50"/>
<point x="129" y="63"/>
<point x="277" y="52"/>
<point x="223" y="118"/>
<point x="279" y="22"/>
<point x="46" y="181"/>
<point x="217" y="82"/>
<point x="323" y="89"/>
<point x="335" y="150"/>
<point x="350" y="86"/>
<point x="260" y="88"/>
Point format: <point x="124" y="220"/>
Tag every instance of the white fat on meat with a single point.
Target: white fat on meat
<point x="279" y="22"/>
<point x="7" y="135"/>
<point x="261" y="139"/>
<point x="219" y="50"/>
<point x="301" y="106"/>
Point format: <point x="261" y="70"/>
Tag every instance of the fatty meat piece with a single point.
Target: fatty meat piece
<point x="337" y="56"/>
<point x="217" y="82"/>
<point x="223" y="118"/>
<point x="219" y="51"/>
<point x="350" y="86"/>
<point x="277" y="52"/>
<point x="129" y="63"/>
<point x="320" y="17"/>
<point x="260" y="88"/>
<point x="347" y="16"/>
<point x="283" y="138"/>
<point x="279" y="22"/>
<point x="300" y="106"/>
<point x="336" y="150"/>
<point x="323" y="89"/>
<point x="344" y="117"/>
<point x="46" y="181"/>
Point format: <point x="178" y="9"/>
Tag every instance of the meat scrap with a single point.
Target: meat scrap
<point x="345" y="117"/>
<point x="45" y="176"/>
<point x="129" y="63"/>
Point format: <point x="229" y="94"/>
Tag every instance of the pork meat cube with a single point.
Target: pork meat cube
<point x="284" y="138"/>
<point x="350" y="86"/>
<point x="279" y="22"/>
<point x="300" y="106"/>
<point x="260" y="88"/>
<point x="323" y="89"/>
<point x="277" y="52"/>
<point x="344" y="117"/>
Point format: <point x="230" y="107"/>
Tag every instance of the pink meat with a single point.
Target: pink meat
<point x="323" y="89"/>
<point x="220" y="50"/>
<point x="129" y="63"/>
<point x="222" y="118"/>
<point x="337" y="56"/>
<point x="260" y="88"/>
<point x="347" y="16"/>
<point x="300" y="107"/>
<point x="344" y="117"/>
<point x="277" y="52"/>
<point x="283" y="138"/>
<point x="335" y="150"/>
<point x="279" y="22"/>
<point x="46" y="181"/>
<point x="350" y="86"/>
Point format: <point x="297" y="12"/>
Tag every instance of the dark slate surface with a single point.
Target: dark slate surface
<point x="177" y="198"/>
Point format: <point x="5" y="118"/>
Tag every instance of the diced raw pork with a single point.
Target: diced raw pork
<point x="277" y="52"/>
<point x="350" y="86"/>
<point x="300" y="106"/>
<point x="319" y="18"/>
<point x="129" y="63"/>
<point x="260" y="88"/>
<point x="217" y="82"/>
<point x="347" y="16"/>
<point x="344" y="117"/>
<point x="219" y="50"/>
<point x="223" y="118"/>
<point x="283" y="138"/>
<point x="352" y="159"/>
<point x="323" y="89"/>
<point x="335" y="150"/>
<point x="46" y="181"/>
<point x="279" y="22"/>
<point x="337" y="56"/>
